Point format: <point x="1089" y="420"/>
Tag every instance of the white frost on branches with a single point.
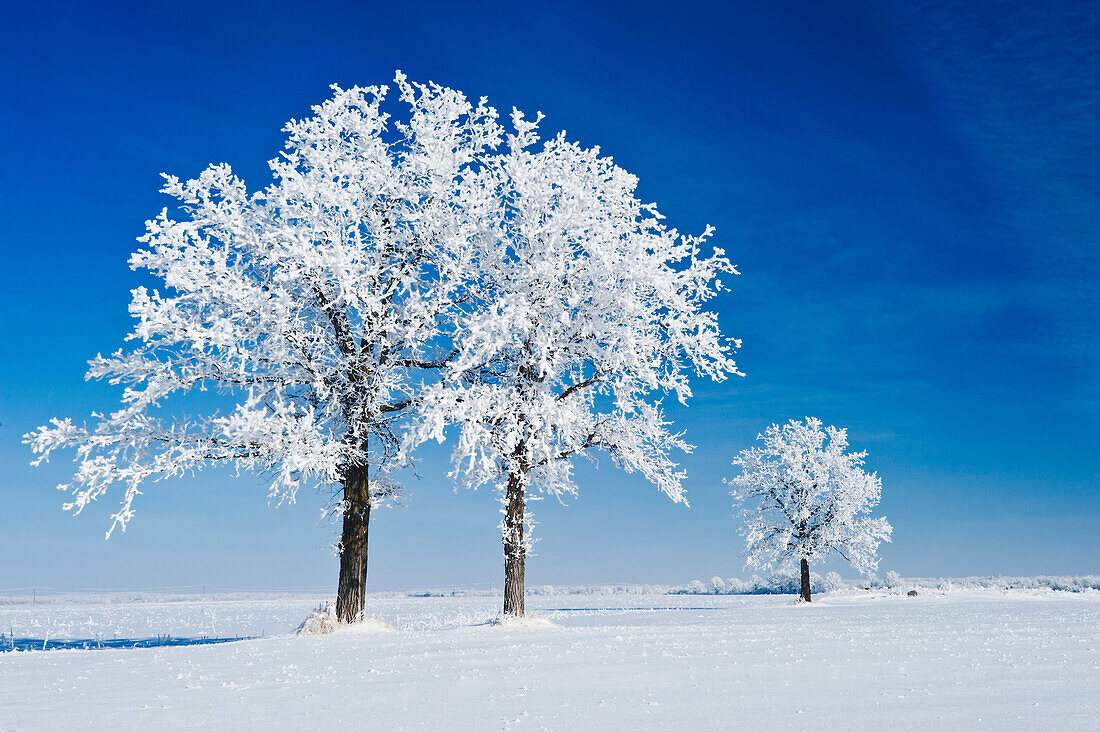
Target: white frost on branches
<point x="803" y="496"/>
<point x="399" y="276"/>
<point x="314" y="307"/>
<point x="594" y="310"/>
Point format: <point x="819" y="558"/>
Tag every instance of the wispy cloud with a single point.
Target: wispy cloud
<point x="1018" y="85"/>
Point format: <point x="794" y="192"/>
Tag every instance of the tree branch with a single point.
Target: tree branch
<point x="580" y="385"/>
<point x="416" y="363"/>
<point x="339" y="320"/>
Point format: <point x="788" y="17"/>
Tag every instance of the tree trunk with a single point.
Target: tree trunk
<point x="805" y="581"/>
<point x="514" y="551"/>
<point x="351" y="593"/>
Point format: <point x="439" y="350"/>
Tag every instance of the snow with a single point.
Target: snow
<point x="323" y="620"/>
<point x="522" y="621"/>
<point x="945" y="659"/>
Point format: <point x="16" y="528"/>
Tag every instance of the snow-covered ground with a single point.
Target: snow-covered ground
<point x="943" y="660"/>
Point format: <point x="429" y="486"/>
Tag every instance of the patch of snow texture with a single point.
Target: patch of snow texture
<point x="524" y="621"/>
<point x="954" y="659"/>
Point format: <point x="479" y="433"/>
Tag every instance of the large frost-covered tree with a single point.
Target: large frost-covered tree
<point x="803" y="497"/>
<point x="595" y="311"/>
<point x="314" y="307"/>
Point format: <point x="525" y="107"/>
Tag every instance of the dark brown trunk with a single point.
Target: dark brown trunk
<point x="351" y="594"/>
<point x="805" y="580"/>
<point x="514" y="551"/>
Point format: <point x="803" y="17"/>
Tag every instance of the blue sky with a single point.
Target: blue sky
<point x="910" y="191"/>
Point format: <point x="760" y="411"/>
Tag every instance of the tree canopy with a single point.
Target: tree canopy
<point x="803" y="496"/>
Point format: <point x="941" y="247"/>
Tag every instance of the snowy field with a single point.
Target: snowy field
<point x="944" y="660"/>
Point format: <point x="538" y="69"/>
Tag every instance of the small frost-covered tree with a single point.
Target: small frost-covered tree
<point x="803" y="497"/>
<point x="314" y="308"/>
<point x="596" y="308"/>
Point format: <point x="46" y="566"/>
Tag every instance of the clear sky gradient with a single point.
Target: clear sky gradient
<point x="910" y="191"/>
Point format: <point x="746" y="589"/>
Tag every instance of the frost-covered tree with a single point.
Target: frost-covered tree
<point x="892" y="580"/>
<point x="595" y="311"/>
<point x="803" y="497"/>
<point x="313" y="308"/>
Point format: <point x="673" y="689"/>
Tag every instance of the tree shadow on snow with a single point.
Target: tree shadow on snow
<point x="8" y="644"/>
